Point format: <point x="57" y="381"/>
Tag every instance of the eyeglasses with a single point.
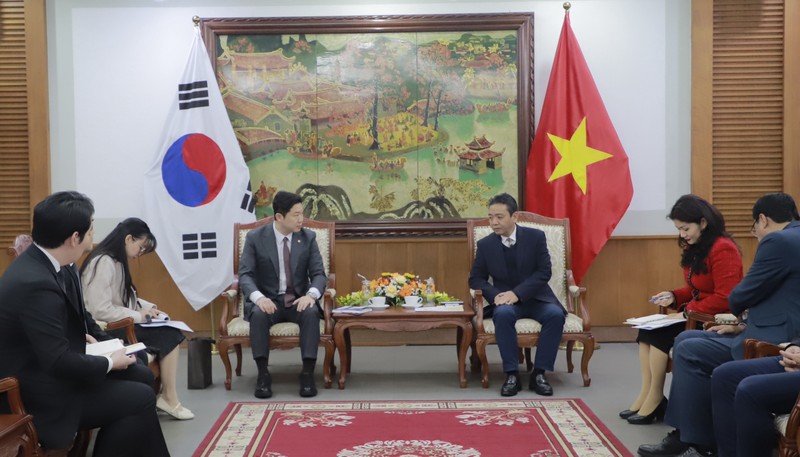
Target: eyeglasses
<point x="144" y="246"/>
<point x="753" y="228"/>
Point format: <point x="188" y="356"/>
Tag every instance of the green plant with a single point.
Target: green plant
<point x="351" y="299"/>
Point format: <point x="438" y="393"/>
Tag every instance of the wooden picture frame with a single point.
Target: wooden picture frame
<point x="250" y="35"/>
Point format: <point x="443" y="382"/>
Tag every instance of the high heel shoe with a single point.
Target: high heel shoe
<point x="627" y="413"/>
<point x="656" y="415"/>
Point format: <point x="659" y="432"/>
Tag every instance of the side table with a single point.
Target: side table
<point x="397" y="319"/>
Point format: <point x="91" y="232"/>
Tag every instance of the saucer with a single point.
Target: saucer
<point x="412" y="306"/>
<point x="378" y="306"/>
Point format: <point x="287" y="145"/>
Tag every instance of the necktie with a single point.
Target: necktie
<point x="288" y="296"/>
<point x="509" y="242"/>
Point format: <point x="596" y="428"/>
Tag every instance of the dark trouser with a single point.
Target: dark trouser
<point x="694" y="357"/>
<point x="746" y="394"/>
<point x="125" y="412"/>
<point x="550" y="315"/>
<point x="260" y="323"/>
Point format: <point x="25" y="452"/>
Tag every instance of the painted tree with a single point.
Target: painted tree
<point x="385" y="65"/>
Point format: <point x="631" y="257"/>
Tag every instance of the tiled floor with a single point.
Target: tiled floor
<point x="416" y="373"/>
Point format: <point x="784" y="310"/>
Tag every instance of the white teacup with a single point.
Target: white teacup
<point x="377" y="301"/>
<point x="413" y="300"/>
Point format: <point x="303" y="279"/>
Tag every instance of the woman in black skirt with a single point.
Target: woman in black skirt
<point x="110" y="295"/>
<point x="712" y="267"/>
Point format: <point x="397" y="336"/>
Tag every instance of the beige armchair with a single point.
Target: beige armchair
<point x="788" y="425"/>
<point x="234" y="331"/>
<point x="577" y="326"/>
<point x="18" y="435"/>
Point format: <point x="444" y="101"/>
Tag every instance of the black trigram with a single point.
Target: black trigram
<point x="193" y="95"/>
<point x="248" y="202"/>
<point x="199" y="245"/>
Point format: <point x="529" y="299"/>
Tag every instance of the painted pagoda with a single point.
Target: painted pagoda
<point x="480" y="156"/>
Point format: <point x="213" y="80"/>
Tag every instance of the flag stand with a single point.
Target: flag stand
<point x="213" y="329"/>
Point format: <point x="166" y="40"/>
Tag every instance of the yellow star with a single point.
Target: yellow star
<point x="575" y="156"/>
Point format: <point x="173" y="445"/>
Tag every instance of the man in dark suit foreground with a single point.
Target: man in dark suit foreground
<point x="767" y="302"/>
<point x="282" y="276"/>
<point x="44" y="329"/>
<point x="512" y="269"/>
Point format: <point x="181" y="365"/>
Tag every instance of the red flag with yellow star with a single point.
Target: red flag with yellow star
<point x="577" y="167"/>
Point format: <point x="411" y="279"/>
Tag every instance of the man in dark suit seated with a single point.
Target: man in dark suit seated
<point x="282" y="276"/>
<point x="512" y="269"/>
<point x="746" y="397"/>
<point x="44" y="329"/>
<point x="767" y="302"/>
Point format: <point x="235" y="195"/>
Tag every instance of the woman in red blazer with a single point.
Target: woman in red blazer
<point x="712" y="266"/>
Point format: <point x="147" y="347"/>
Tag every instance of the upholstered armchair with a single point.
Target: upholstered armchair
<point x="577" y="326"/>
<point x="234" y="331"/>
<point x="17" y="435"/>
<point x="694" y="319"/>
<point x="788" y="425"/>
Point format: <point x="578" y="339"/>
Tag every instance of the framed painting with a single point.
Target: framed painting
<point x="390" y="125"/>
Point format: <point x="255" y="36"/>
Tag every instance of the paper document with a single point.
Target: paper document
<point x="441" y="308"/>
<point x="107" y="347"/>
<point x="355" y="310"/>
<point x="180" y="325"/>
<point x="655" y="321"/>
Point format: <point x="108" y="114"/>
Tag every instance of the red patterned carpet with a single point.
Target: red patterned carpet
<point x="502" y="428"/>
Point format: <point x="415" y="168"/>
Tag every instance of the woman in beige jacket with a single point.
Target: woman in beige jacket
<point x="110" y="295"/>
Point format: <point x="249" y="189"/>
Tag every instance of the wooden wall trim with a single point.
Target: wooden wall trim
<point x="791" y="99"/>
<point x="38" y="102"/>
<point x="702" y="89"/>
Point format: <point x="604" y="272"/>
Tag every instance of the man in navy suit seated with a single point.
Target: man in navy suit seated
<point x="746" y="397"/>
<point x="767" y="302"/>
<point x="512" y="269"/>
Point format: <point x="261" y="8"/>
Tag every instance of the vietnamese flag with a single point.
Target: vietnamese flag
<point x="577" y="168"/>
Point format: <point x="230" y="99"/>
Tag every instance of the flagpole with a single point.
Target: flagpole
<point x="213" y="328"/>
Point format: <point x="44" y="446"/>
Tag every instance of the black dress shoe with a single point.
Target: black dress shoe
<point x="626" y="413"/>
<point x="657" y="415"/>
<point x="263" y="386"/>
<point x="671" y="446"/>
<point x="307" y="387"/>
<point x="511" y="386"/>
<point x="539" y="384"/>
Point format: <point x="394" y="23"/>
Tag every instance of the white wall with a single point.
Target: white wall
<point x="113" y="67"/>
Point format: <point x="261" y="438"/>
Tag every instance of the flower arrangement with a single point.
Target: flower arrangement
<point x="396" y="286"/>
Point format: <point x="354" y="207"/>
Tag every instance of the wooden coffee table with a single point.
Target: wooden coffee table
<point x="398" y="319"/>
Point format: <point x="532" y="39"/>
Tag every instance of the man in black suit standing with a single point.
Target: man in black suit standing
<point x="512" y="269"/>
<point x="44" y="329"/>
<point x="282" y="276"/>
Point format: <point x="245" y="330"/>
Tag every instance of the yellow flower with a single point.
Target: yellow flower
<point x="391" y="291"/>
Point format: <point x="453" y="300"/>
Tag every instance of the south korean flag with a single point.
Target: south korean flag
<point x="195" y="189"/>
